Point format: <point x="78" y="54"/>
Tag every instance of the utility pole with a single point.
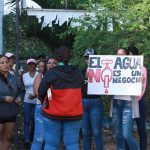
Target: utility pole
<point x="1" y="25"/>
<point x="17" y="36"/>
<point x="17" y="64"/>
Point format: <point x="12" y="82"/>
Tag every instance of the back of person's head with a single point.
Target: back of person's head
<point x="133" y="50"/>
<point x="62" y="54"/>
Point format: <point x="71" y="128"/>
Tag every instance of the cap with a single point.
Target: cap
<point x="31" y="60"/>
<point x="89" y="51"/>
<point x="9" y="55"/>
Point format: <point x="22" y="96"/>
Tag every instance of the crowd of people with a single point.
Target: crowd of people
<point x="56" y="105"/>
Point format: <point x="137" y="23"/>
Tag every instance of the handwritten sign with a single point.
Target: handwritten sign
<point x="115" y="75"/>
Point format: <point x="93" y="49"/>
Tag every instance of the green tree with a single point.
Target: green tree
<point x="131" y="26"/>
<point x="130" y="21"/>
<point x="61" y="4"/>
<point x="29" y="45"/>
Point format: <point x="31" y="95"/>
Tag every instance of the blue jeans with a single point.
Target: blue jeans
<point x="56" y="129"/>
<point x="92" y="123"/>
<point x="28" y="121"/>
<point x="123" y="124"/>
<point x="39" y="132"/>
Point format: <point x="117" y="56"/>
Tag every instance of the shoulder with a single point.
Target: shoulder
<point x="79" y="70"/>
<point x="50" y="74"/>
<point x="12" y="76"/>
<point x="26" y="74"/>
<point x="38" y="76"/>
<point x="36" y="73"/>
<point x="144" y="69"/>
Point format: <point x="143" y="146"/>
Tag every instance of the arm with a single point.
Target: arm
<point x="144" y="82"/>
<point x="45" y="84"/>
<point x="36" y="84"/>
<point x="21" y="89"/>
<point x="7" y="99"/>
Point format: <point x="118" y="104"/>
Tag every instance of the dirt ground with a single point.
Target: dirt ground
<point x="109" y="142"/>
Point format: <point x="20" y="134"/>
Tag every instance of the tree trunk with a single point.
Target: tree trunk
<point x="66" y="4"/>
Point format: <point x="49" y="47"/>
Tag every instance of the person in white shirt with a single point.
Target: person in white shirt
<point x="125" y="108"/>
<point x="29" y="101"/>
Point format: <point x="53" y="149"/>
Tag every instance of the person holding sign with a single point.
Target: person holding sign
<point x="141" y="121"/>
<point x="93" y="112"/>
<point x="125" y="108"/>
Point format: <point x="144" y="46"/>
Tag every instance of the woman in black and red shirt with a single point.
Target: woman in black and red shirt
<point x="63" y="110"/>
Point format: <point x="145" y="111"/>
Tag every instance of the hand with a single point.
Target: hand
<point x="8" y="99"/>
<point x="18" y="101"/>
<point x="31" y="96"/>
<point x="142" y="79"/>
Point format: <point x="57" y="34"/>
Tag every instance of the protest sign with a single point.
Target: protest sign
<point x="115" y="75"/>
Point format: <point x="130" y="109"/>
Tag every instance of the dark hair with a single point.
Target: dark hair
<point x="3" y="56"/>
<point x="125" y="50"/>
<point x="43" y="56"/>
<point x="62" y="54"/>
<point x="45" y="69"/>
<point x="133" y="50"/>
<point x="51" y="57"/>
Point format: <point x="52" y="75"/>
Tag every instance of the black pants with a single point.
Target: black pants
<point x="141" y="125"/>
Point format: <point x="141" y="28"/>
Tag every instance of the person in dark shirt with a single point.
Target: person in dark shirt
<point x="93" y="112"/>
<point x="11" y="93"/>
<point x="62" y="107"/>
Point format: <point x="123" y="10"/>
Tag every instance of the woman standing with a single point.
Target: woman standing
<point x="29" y="101"/>
<point x="11" y="94"/>
<point x="39" y="133"/>
<point x="63" y="111"/>
<point x="141" y="121"/>
<point x="125" y="108"/>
